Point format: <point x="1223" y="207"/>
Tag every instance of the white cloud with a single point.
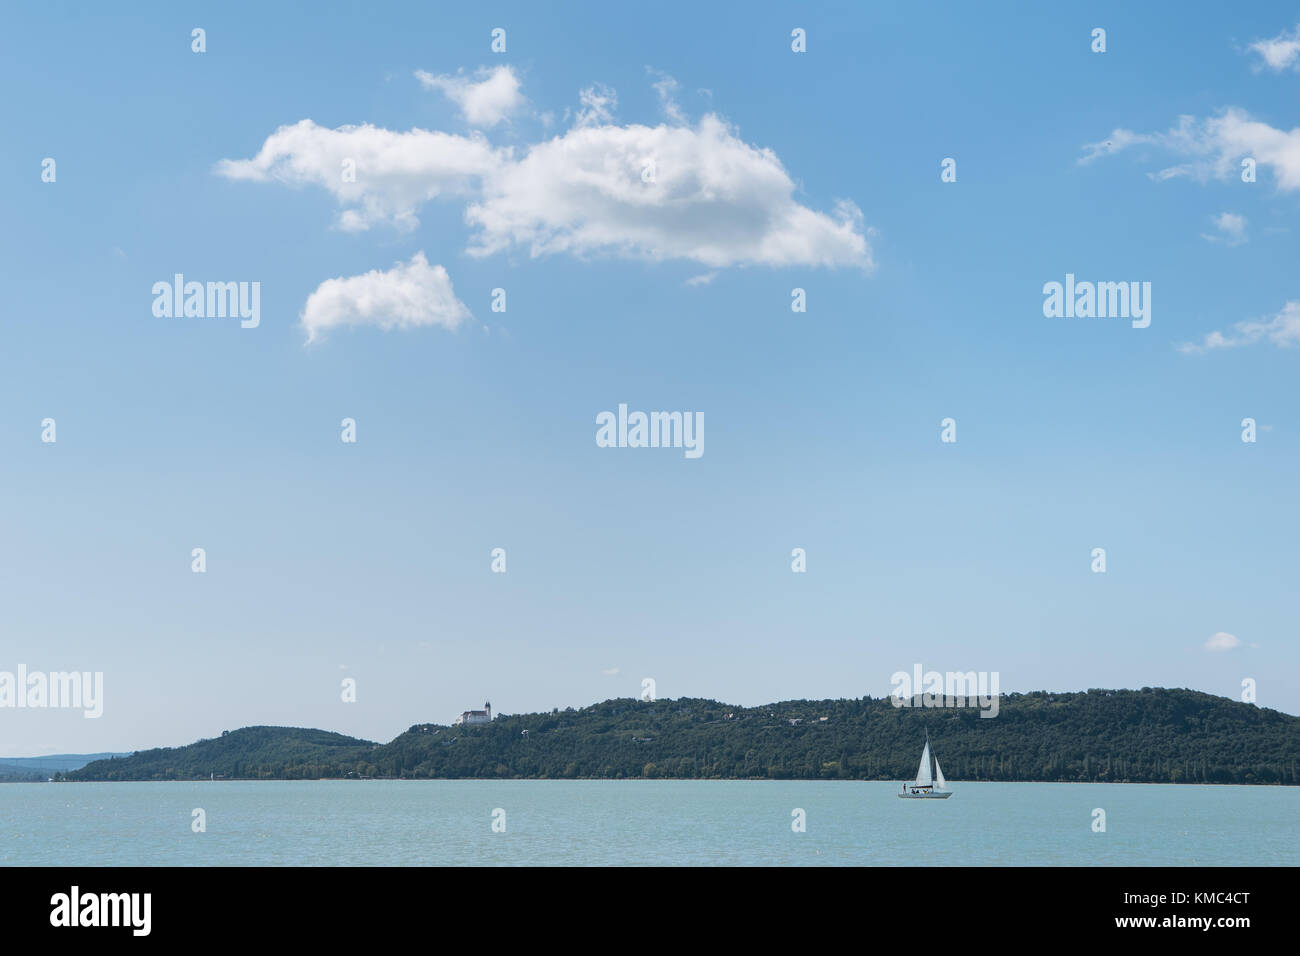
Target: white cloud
<point x="1223" y="641"/>
<point x="1118" y="140"/>
<point x="495" y="97"/>
<point x="666" y="87"/>
<point x="713" y="199"/>
<point x="395" y="173"/>
<point x="1282" y="330"/>
<point x="1281" y="52"/>
<point x="610" y="672"/>
<point x="598" y="105"/>
<point x="410" y="295"/>
<point x="1232" y="229"/>
<point x="704" y="279"/>
<point x="1214" y="147"/>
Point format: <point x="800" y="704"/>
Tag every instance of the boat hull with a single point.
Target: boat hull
<point x="932" y="795"/>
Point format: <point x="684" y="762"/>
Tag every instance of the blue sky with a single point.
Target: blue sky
<point x="328" y="560"/>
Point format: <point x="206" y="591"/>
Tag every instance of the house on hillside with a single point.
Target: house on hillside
<point x="483" y="716"/>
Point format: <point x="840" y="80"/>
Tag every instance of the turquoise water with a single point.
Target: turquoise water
<point x="657" y="822"/>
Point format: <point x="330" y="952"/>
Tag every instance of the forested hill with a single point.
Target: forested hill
<point x="40" y="769"/>
<point x="253" y="752"/>
<point x="1151" y="735"/>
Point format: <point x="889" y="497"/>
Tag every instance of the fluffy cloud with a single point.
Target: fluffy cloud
<point x="495" y="97"/>
<point x="1232" y="229"/>
<point x="410" y="295"/>
<point x="395" y="173"/>
<point x="1223" y="641"/>
<point x="1282" y="330"/>
<point x="1214" y="148"/>
<point x="664" y="192"/>
<point x="1281" y="51"/>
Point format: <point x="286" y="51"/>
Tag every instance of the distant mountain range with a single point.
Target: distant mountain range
<point x="24" y="769"/>
<point x="1153" y="735"/>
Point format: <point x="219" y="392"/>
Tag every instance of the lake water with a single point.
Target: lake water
<point x="657" y="822"/>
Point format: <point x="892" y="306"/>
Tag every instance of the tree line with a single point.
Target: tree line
<point x="1152" y="735"/>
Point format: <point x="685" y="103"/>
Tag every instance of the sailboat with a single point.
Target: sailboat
<point x="928" y="785"/>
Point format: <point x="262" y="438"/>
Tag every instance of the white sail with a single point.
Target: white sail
<point x="938" y="775"/>
<point x="923" y="778"/>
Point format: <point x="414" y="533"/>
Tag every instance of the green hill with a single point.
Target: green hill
<point x="26" y="769"/>
<point x="260" y="753"/>
<point x="1152" y="736"/>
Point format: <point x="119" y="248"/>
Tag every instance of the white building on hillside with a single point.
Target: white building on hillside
<point x="483" y="716"/>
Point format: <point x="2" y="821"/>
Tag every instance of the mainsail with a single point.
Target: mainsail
<point x="923" y="778"/>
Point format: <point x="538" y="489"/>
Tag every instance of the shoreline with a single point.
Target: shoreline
<point x="964" y="783"/>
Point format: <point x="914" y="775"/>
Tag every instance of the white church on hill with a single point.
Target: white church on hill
<point x="483" y="716"/>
